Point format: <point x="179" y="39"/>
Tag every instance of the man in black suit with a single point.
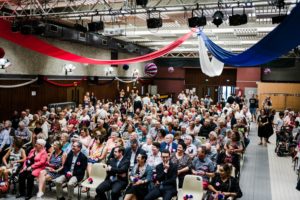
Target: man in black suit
<point x="117" y="176"/>
<point x="73" y="171"/>
<point x="132" y="152"/>
<point x="165" y="185"/>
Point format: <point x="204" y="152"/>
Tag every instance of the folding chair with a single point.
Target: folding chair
<point x="192" y="185"/>
<point x="98" y="174"/>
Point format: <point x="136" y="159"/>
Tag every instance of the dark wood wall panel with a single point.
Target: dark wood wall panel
<point x="20" y="98"/>
<point x="194" y="78"/>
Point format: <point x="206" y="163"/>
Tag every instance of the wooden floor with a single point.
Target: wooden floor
<point x="264" y="175"/>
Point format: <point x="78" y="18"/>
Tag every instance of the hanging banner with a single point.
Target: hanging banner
<point x="40" y="46"/>
<point x="277" y="43"/>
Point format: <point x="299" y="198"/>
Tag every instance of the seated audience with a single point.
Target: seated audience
<point x="155" y="158"/>
<point x="168" y="144"/>
<point x="13" y="159"/>
<point x="54" y="166"/>
<point x="132" y="152"/>
<point x="33" y="165"/>
<point x="203" y="166"/>
<point x="140" y="178"/>
<point x="117" y="176"/>
<point x="73" y="171"/>
<point x="165" y="180"/>
<point x="222" y="184"/>
<point x="183" y="162"/>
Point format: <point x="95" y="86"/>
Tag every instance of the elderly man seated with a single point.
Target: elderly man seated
<point x="203" y="166"/>
<point x="169" y="144"/>
<point x="72" y="172"/>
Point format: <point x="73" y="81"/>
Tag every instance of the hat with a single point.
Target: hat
<point x="41" y="142"/>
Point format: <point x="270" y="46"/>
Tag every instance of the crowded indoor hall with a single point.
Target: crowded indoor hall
<point x="150" y="99"/>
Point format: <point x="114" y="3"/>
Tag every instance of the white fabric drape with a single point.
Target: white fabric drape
<point x="19" y="85"/>
<point x="210" y="68"/>
<point x="131" y="81"/>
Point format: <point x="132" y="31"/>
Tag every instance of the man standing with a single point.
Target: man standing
<point x="165" y="183"/>
<point x="117" y="176"/>
<point x="73" y="171"/>
<point x="252" y="106"/>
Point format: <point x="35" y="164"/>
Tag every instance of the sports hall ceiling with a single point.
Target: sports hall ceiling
<point x="129" y="19"/>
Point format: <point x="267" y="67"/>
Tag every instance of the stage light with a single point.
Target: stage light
<point x="218" y="18"/>
<point x="96" y="26"/>
<point x="236" y="20"/>
<point x="279" y="3"/>
<point x="142" y="3"/>
<point x="80" y="27"/>
<point x="197" y="21"/>
<point x="15" y="27"/>
<point x="278" y="19"/>
<point x="154" y="22"/>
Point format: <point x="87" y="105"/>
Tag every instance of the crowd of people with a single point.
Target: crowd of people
<point x="153" y="142"/>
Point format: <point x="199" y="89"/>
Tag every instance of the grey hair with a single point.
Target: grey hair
<point x="79" y="144"/>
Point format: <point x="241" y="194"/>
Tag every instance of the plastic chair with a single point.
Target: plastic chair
<point x="98" y="174"/>
<point x="192" y="185"/>
<point x="201" y="139"/>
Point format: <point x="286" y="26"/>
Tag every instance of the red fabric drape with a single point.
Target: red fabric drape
<point x="38" y="45"/>
<point x="75" y="83"/>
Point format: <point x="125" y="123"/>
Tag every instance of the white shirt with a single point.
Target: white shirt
<point x="146" y="100"/>
<point x="154" y="160"/>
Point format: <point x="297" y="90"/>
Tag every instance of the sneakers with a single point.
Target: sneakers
<point x="39" y="194"/>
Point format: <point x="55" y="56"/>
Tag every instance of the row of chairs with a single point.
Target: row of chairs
<point x="192" y="185"/>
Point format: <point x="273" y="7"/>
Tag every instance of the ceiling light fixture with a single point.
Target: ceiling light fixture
<point x="236" y="20"/>
<point x="96" y="26"/>
<point x="68" y="68"/>
<point x="15" y="27"/>
<point x="80" y="27"/>
<point x="154" y="22"/>
<point x="218" y="18"/>
<point x="142" y="3"/>
<point x="197" y="21"/>
<point x="4" y="63"/>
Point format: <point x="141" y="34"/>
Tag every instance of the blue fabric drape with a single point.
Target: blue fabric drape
<point x="282" y="39"/>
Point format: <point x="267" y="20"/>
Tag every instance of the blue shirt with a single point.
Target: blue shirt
<point x="4" y="138"/>
<point x="205" y="165"/>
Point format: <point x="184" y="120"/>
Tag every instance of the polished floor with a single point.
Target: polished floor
<point x="264" y="175"/>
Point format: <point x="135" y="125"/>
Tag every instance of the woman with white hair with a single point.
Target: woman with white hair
<point x="33" y="165"/>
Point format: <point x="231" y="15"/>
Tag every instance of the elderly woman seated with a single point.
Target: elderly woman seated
<point x="183" y="162"/>
<point x="54" y="166"/>
<point x="34" y="164"/>
<point x="223" y="186"/>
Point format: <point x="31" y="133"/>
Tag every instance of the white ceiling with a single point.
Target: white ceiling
<point x="232" y="38"/>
